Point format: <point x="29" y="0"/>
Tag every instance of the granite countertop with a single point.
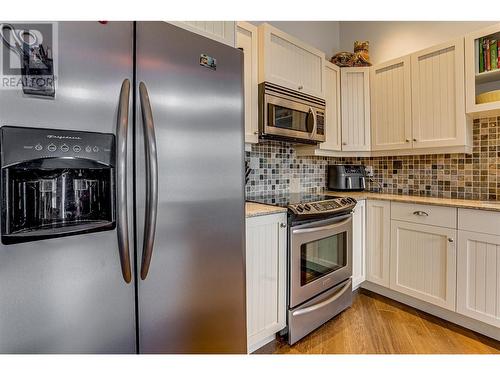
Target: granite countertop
<point x="257" y="209"/>
<point x="450" y="202"/>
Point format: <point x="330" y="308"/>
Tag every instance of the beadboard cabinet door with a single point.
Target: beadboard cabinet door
<point x="287" y="61"/>
<point x="423" y="262"/>
<point x="478" y="277"/>
<point x="390" y="85"/>
<point x="355" y="103"/>
<point x="438" y="96"/>
<point x="246" y="40"/>
<point x="221" y="31"/>
<point x="359" y="244"/>
<point x="333" y="132"/>
<point x="266" y="278"/>
<point x="378" y="237"/>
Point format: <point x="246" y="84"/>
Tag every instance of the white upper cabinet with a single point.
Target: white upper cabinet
<point x="332" y="98"/>
<point x="390" y="85"/>
<point x="438" y="96"/>
<point x="246" y="40"/>
<point x="221" y="31"/>
<point x="286" y="61"/>
<point x="355" y="103"/>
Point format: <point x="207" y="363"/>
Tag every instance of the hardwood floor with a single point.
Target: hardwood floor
<point x="378" y="325"/>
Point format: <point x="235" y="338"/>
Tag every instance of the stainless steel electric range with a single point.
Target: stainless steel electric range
<point x="319" y="258"/>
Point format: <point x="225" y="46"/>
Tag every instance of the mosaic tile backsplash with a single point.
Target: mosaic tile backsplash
<point x="277" y="168"/>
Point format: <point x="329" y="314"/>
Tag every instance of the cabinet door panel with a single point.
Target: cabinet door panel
<point x="332" y="98"/>
<point x="378" y="234"/>
<point x="423" y="262"/>
<point x="221" y="31"/>
<point x="438" y="96"/>
<point x="289" y="62"/>
<point x="391" y="105"/>
<point x="355" y="104"/>
<point x="358" y="244"/>
<point x="266" y="277"/>
<point x="478" y="277"/>
<point x="246" y="40"/>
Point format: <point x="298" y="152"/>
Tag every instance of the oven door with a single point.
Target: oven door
<point x="291" y="119"/>
<point x="320" y="257"/>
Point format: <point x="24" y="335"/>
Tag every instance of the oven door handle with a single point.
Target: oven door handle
<point x="322" y="228"/>
<point x="336" y="296"/>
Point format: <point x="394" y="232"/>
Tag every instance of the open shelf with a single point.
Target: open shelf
<point x="488" y="76"/>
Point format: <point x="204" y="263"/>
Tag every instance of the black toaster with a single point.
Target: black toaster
<point x="346" y="177"/>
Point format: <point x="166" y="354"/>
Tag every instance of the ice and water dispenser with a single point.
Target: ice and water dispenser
<point x="55" y="183"/>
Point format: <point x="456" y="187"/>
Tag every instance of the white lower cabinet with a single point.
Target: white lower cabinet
<point x="423" y="262"/>
<point x="359" y="244"/>
<point x="266" y="278"/>
<point x="478" y="276"/>
<point x="378" y="236"/>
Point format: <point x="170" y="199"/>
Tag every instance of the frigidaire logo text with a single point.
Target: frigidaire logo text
<point x="62" y="137"/>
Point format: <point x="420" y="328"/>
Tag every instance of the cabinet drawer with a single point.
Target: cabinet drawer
<point x="479" y="221"/>
<point x="424" y="214"/>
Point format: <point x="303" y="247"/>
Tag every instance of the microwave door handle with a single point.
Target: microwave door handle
<point x="151" y="180"/>
<point x="315" y="125"/>
<point x="121" y="183"/>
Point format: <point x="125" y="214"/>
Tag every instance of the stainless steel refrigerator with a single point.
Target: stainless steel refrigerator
<point x="170" y="278"/>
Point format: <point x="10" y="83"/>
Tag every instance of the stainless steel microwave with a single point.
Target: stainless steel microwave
<point x="290" y="115"/>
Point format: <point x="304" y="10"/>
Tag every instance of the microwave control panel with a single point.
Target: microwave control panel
<point x="22" y="144"/>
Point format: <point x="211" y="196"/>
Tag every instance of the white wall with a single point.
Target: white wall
<point x="391" y="39"/>
<point x="324" y="35"/>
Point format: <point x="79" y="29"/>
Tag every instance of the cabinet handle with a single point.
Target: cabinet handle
<point x="420" y="213"/>
<point x="282" y="225"/>
<point x="450" y="240"/>
<point x="301" y="87"/>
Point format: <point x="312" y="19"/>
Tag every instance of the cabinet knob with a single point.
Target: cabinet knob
<point x="344" y="143"/>
<point x="407" y="141"/>
<point x="301" y="87"/>
<point x="450" y="240"/>
<point x="255" y="132"/>
<point x="414" y="139"/>
<point x="282" y="225"/>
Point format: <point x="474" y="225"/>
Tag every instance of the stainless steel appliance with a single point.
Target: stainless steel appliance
<point x="290" y="115"/>
<point x="346" y="177"/>
<point x="82" y="293"/>
<point x="319" y="258"/>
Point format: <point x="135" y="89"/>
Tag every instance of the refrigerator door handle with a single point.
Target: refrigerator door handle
<point x="121" y="184"/>
<point x="151" y="180"/>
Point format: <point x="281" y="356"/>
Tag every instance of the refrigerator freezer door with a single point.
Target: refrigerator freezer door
<point x="68" y="295"/>
<point x="192" y="299"/>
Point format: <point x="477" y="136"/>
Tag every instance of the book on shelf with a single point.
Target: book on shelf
<point x="493" y="55"/>
<point x="480" y="53"/>
<point x="488" y="54"/>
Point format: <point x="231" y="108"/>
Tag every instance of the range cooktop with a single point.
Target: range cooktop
<point x="307" y="205"/>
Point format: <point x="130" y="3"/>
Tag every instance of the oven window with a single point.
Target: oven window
<point x="290" y="119"/>
<point x="323" y="256"/>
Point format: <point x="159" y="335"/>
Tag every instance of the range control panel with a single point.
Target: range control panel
<point x="326" y="207"/>
<point x="22" y="144"/>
